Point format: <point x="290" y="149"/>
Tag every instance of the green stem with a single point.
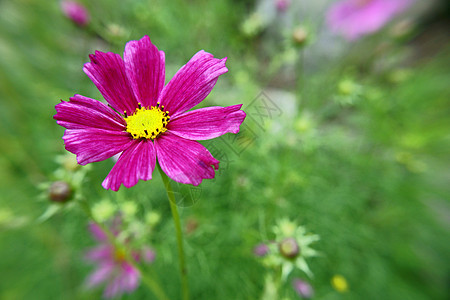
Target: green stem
<point x="150" y="282"/>
<point x="179" y="234"/>
<point x="300" y="71"/>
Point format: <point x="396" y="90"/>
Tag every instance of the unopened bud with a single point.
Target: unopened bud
<point x="60" y="191"/>
<point x="76" y="12"/>
<point x="289" y="248"/>
<point x="282" y="5"/>
<point x="261" y="250"/>
<point x="300" y="35"/>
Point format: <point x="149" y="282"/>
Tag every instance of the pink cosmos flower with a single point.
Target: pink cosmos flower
<point x="145" y="119"/>
<point x="113" y="269"/>
<point x="356" y="18"/>
<point x="76" y="12"/>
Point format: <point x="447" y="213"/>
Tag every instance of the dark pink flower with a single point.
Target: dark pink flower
<point x="76" y="12"/>
<point x="289" y="247"/>
<point x="113" y="269"/>
<point x="356" y="18"/>
<point x="145" y="119"/>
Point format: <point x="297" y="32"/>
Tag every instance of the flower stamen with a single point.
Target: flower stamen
<point x="119" y="255"/>
<point x="147" y="123"/>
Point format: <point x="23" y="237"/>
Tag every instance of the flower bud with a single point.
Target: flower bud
<point x="69" y="162"/>
<point x="76" y="12"/>
<point x="339" y="283"/>
<point x="148" y="254"/>
<point x="59" y="191"/>
<point x="300" y="35"/>
<point x="289" y="248"/>
<point x="302" y="288"/>
<point x="282" y="5"/>
<point x="261" y="250"/>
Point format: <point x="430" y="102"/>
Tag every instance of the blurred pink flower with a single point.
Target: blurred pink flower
<point x="302" y="288"/>
<point x="261" y="249"/>
<point x="113" y="269"/>
<point x="282" y="5"/>
<point x="76" y="12"/>
<point x="356" y="18"/>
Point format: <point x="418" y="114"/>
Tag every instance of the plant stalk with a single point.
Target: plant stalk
<point x="179" y="234"/>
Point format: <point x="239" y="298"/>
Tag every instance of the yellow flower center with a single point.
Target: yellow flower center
<point x="119" y="255"/>
<point x="147" y="123"/>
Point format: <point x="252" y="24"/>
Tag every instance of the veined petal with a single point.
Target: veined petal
<point x="94" y="144"/>
<point x="184" y="160"/>
<point x="130" y="277"/>
<point x="100" y="253"/>
<point x="207" y="123"/>
<point x="192" y="83"/>
<point x="83" y="112"/>
<point x="107" y="72"/>
<point x="114" y="288"/>
<point x="97" y="232"/>
<point x="144" y="66"/>
<point x="103" y="273"/>
<point x="136" y="162"/>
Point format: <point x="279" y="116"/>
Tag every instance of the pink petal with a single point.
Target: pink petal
<point x="192" y="83"/>
<point x="114" y="288"/>
<point x="83" y="112"/>
<point x="103" y="273"/>
<point x="107" y="71"/>
<point x="207" y="123"/>
<point x="144" y="66"/>
<point x="94" y="144"/>
<point x="353" y="19"/>
<point x="184" y="160"/>
<point x="148" y="254"/>
<point x="97" y="232"/>
<point x="136" y="162"/>
<point x="100" y="254"/>
<point x="130" y="277"/>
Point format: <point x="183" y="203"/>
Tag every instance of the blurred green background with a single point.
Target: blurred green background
<point x="349" y="140"/>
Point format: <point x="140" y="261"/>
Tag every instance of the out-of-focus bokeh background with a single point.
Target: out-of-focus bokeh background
<point x="348" y="138"/>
